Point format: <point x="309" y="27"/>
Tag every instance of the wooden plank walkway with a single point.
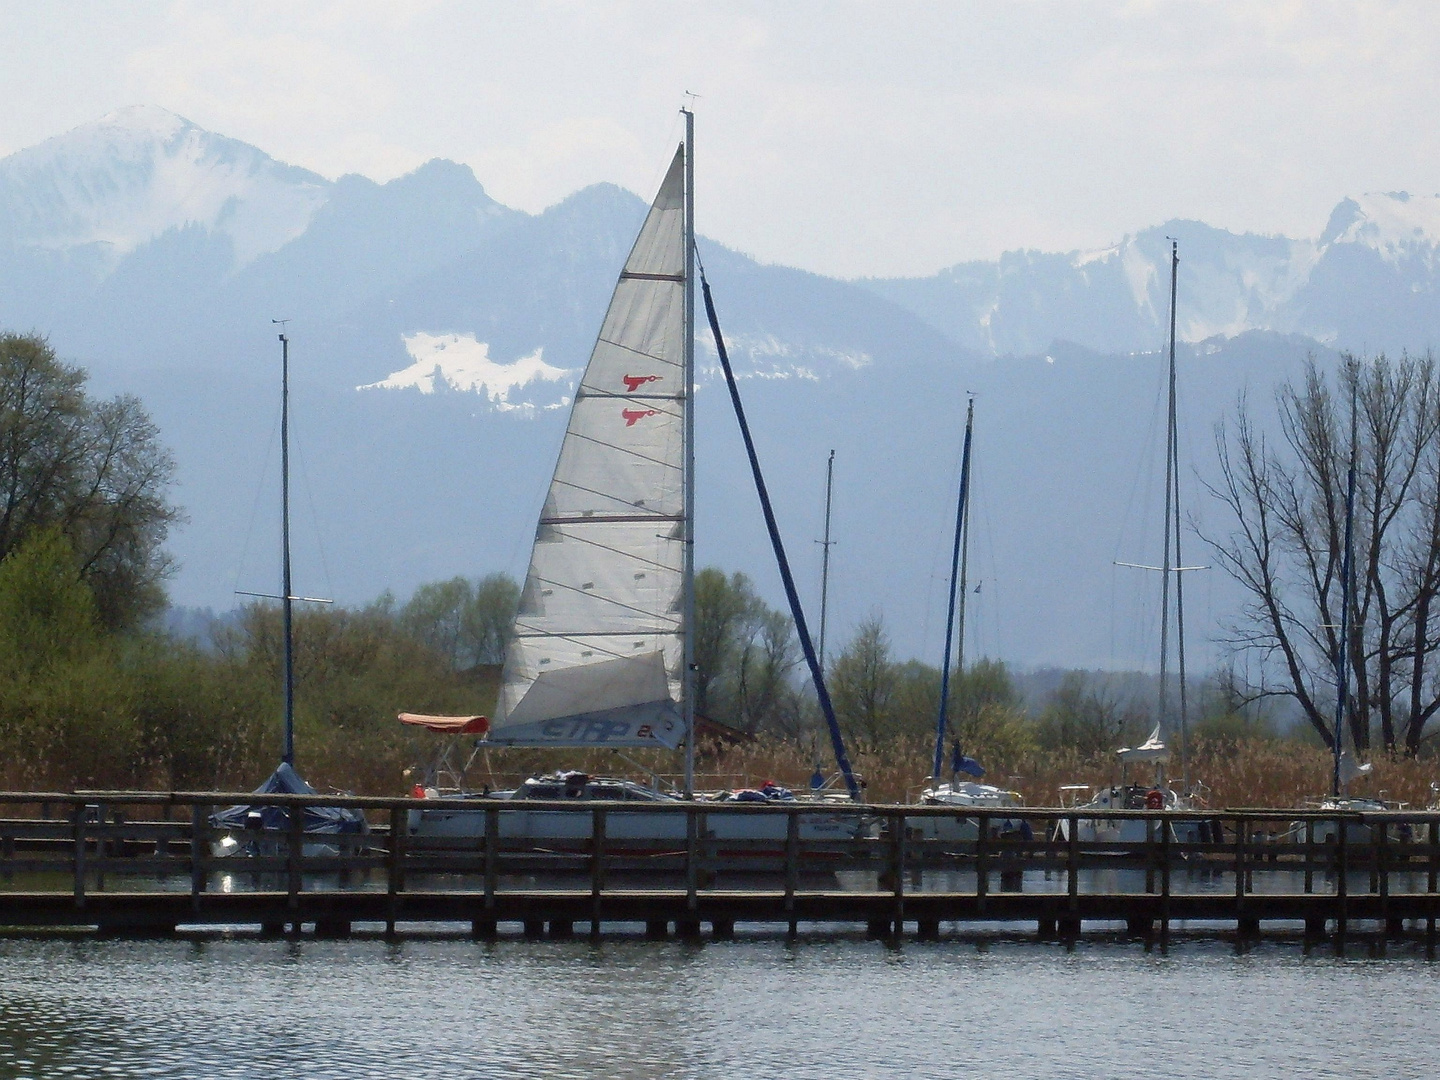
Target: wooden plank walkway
<point x="145" y="862"/>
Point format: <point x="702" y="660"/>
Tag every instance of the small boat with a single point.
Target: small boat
<point x="261" y="829"/>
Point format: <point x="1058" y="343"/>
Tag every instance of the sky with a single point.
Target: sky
<point x="851" y="139"/>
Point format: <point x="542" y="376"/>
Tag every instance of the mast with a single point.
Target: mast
<point x="961" y="513"/>
<point x="1171" y="504"/>
<point x="688" y="678"/>
<point x="286" y="593"/>
<point x="1347" y="572"/>
<point x="825" y="557"/>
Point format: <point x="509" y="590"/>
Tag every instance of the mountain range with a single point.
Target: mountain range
<point x="436" y="337"/>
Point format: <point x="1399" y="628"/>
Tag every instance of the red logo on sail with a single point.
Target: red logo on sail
<point x="634" y="382"/>
<point x="633" y="415"/>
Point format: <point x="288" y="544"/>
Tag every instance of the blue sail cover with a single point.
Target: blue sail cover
<point x="286" y="781"/>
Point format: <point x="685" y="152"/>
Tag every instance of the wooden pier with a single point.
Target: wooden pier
<point x="145" y="862"/>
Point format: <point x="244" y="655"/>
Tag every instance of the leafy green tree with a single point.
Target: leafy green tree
<point x="467" y="622"/>
<point x="47" y="613"/>
<point x="94" y="470"/>
<point x="863" y="681"/>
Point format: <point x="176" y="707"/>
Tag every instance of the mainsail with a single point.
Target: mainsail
<point x="597" y="656"/>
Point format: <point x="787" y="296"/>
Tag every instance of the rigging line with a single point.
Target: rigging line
<point x="255" y="504"/>
<point x="801" y="629"/>
<point x="314" y="517"/>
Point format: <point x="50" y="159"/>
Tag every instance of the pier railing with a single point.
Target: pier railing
<point x="145" y="860"/>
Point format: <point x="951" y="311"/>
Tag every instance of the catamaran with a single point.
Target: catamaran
<point x="602" y="652"/>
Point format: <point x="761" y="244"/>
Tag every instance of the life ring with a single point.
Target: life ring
<point x="1154" y="799"/>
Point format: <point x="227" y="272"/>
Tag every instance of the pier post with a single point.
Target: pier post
<point x="792" y="868"/>
<point x="294" y="850"/>
<point x="1342" y="884"/>
<point x="982" y="864"/>
<point x="492" y="855"/>
<point x="395" y="868"/>
<point x="78" y="822"/>
<point x="199" y="844"/>
<point x="597" y="868"/>
<point x="1242" y="832"/>
<point x="1070" y="924"/>
<point x="1165" y="831"/>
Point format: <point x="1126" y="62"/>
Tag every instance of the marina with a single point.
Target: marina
<point x="146" y="863"/>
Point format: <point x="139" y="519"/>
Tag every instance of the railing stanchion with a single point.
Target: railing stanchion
<point x="792" y="865"/>
<point x="78" y="817"/>
<point x="1072" y="865"/>
<point x="1165" y="831"/>
<point x="294" y="852"/>
<point x="692" y="879"/>
<point x="199" y="845"/>
<point x="1309" y="856"/>
<point x="395" y="858"/>
<point x="597" y="866"/>
<point x="492" y="854"/>
<point x="897" y="864"/>
<point x="1342" y="873"/>
<point x="982" y="866"/>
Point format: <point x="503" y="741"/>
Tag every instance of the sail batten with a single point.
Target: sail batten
<point x="597" y="653"/>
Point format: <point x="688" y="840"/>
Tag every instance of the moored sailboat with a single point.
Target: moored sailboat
<point x="602" y="653"/>
<point x="1155" y="751"/>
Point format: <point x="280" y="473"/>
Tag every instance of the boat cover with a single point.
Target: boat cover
<point x="447" y="725"/>
<point x="286" y="781"/>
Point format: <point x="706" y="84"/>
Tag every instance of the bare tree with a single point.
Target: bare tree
<point x="1288" y="504"/>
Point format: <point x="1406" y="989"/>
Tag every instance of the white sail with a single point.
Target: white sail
<point x="598" y="650"/>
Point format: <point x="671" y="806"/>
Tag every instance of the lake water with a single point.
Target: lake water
<point x="822" y="1007"/>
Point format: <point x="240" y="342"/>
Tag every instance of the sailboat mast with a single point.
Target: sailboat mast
<point x="960" y="514"/>
<point x="689" y="570"/>
<point x="286" y="591"/>
<point x="964" y="549"/>
<point x="825" y="557"/>
<point x="1347" y="571"/>
<point x="1170" y="508"/>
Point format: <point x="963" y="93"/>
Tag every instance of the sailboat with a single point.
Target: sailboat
<point x="969" y="794"/>
<point x="1154" y="752"/>
<point x="243" y="828"/>
<point x="602" y="654"/>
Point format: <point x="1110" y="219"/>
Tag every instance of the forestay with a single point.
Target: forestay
<point x="597" y="655"/>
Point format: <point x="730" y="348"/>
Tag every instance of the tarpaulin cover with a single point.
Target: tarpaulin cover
<point x="285" y="781"/>
<point x="447" y="725"/>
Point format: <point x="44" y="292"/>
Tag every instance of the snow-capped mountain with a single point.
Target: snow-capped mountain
<point x="138" y="173"/>
<point x="1366" y="282"/>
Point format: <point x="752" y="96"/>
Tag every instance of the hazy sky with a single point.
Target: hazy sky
<point x="847" y="138"/>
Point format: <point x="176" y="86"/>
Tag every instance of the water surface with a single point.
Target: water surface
<point x="819" y="1007"/>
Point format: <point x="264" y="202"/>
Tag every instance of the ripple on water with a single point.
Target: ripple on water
<point x="426" y="1008"/>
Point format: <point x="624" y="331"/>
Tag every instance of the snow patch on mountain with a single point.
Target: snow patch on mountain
<point x="1396" y="224"/>
<point x="140" y="172"/>
<point x="460" y="362"/>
